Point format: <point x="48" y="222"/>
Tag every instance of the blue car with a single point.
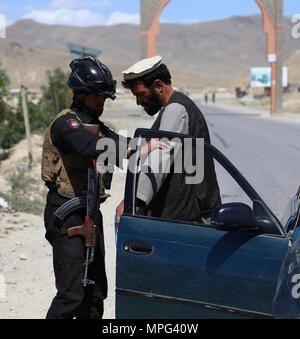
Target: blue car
<point x="228" y="268"/>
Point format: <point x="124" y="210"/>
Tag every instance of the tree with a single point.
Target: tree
<point x="56" y="95"/>
<point x="4" y="84"/>
<point x="12" y="128"/>
<point x="6" y="113"/>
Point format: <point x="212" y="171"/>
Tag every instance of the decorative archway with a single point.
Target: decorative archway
<point x="272" y="11"/>
<point x="150" y="14"/>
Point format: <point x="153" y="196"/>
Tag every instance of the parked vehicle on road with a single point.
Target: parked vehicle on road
<point x="228" y="268"/>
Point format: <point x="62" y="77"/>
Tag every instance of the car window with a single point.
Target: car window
<point x="234" y="188"/>
<point x="230" y="190"/>
<point x="158" y="185"/>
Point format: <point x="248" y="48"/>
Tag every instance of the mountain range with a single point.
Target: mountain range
<point x="207" y="54"/>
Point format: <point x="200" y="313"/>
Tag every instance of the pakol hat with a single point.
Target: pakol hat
<point x="141" y="68"/>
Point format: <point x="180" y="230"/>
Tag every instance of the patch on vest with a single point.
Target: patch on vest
<point x="73" y="123"/>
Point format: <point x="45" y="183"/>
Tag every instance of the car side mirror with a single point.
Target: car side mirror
<point x="234" y="217"/>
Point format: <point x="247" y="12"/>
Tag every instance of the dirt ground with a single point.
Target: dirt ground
<point x="27" y="284"/>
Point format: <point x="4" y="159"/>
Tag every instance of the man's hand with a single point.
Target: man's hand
<point x="119" y="213"/>
<point x="150" y="146"/>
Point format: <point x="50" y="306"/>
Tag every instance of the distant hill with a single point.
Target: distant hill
<point x="198" y="55"/>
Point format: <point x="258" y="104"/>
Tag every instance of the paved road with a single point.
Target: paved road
<point x="266" y="150"/>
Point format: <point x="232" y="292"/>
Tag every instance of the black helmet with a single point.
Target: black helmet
<point x="91" y="76"/>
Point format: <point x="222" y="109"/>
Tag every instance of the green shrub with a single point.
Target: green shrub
<point x="25" y="195"/>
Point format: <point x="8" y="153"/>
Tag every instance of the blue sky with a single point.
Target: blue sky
<point x="109" y="12"/>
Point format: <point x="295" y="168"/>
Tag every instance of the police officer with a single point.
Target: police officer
<point x="68" y="148"/>
<point x="67" y="152"/>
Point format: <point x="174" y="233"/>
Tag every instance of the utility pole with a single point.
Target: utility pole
<point x="27" y="126"/>
<point x="272" y="11"/>
<point x="53" y="95"/>
<point x="279" y="23"/>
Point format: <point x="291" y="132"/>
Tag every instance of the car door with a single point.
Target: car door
<point x="176" y="269"/>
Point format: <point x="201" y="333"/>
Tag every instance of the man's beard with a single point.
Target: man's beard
<point x="98" y="112"/>
<point x="154" y="103"/>
<point x="95" y="114"/>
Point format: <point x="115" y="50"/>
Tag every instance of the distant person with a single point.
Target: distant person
<point x="213" y="98"/>
<point x="150" y="82"/>
<point x="206" y="98"/>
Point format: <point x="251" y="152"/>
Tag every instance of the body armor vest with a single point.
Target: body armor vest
<point x="69" y="172"/>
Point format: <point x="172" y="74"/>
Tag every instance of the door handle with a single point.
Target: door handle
<point x="137" y="247"/>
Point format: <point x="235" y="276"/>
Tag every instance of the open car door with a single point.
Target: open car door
<point x="177" y="269"/>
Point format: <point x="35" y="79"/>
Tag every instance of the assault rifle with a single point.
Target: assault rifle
<point x="88" y="230"/>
